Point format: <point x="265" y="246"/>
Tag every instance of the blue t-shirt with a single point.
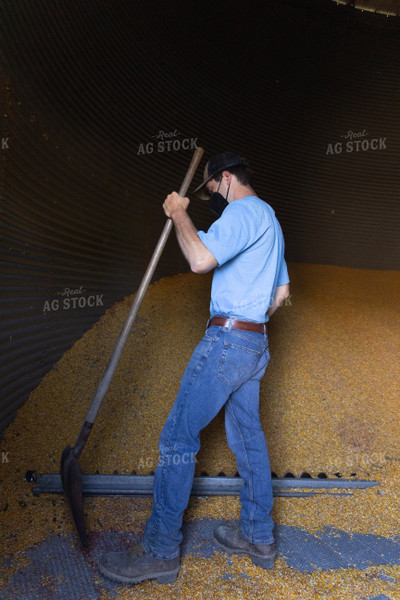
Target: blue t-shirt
<point x="248" y="244"/>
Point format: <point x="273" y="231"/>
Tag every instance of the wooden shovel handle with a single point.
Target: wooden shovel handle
<point x="119" y="346"/>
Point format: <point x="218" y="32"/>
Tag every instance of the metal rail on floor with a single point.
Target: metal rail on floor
<point x="142" y="485"/>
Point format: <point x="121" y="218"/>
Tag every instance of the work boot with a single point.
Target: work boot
<point x="233" y="541"/>
<point x="135" y="565"/>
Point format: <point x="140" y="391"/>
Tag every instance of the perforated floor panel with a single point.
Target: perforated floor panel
<point x="57" y="569"/>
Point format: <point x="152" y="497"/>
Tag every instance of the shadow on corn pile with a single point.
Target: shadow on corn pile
<point x="329" y="404"/>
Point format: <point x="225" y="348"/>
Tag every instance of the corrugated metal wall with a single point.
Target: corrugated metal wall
<point x="102" y="105"/>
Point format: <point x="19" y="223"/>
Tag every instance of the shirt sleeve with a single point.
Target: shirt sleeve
<point x="229" y="235"/>
<point x="283" y="277"/>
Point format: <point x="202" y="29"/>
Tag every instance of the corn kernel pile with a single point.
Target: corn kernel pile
<point x="329" y="404"/>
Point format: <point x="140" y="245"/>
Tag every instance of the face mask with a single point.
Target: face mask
<point x="218" y="202"/>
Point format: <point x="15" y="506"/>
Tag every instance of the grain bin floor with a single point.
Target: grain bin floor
<point x="332" y="564"/>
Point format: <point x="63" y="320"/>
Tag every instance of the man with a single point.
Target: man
<point x="245" y="246"/>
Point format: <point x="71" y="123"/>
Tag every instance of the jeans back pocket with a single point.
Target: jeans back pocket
<point x="238" y="364"/>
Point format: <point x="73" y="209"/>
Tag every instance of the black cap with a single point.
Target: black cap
<point x="215" y="165"/>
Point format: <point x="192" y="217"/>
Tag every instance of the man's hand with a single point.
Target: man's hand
<point x="175" y="203"/>
<point x="198" y="256"/>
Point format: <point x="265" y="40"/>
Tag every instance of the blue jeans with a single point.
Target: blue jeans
<point x="224" y="370"/>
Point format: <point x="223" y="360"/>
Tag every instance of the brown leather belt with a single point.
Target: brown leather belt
<point x="236" y="324"/>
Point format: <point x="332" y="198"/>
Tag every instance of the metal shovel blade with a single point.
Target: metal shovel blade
<point x="72" y="485"/>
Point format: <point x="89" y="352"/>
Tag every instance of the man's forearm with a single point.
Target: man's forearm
<point x="282" y="292"/>
<point x="198" y="256"/>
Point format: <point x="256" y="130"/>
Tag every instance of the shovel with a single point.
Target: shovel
<point x="69" y="468"/>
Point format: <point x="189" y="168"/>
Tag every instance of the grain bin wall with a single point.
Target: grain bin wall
<point x="102" y="104"/>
